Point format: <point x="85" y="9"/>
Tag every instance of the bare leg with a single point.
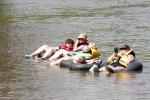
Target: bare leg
<point x="57" y="62"/>
<point x="92" y="61"/>
<point x="49" y="53"/>
<point x="40" y="50"/>
<point x="102" y="69"/>
<point x="58" y="53"/>
<point x="118" y="69"/>
<point x="64" y="58"/>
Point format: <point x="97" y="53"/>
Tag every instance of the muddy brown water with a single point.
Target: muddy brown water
<point x="28" y="24"/>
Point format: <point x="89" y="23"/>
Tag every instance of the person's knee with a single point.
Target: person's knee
<point x="111" y="66"/>
<point x="51" y="49"/>
<point x="45" y="46"/>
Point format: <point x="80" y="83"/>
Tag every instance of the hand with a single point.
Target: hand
<point x="119" y="55"/>
<point x="114" y="54"/>
<point x="77" y="41"/>
<point x="74" y="61"/>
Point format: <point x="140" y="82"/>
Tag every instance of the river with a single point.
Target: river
<point x="25" y="25"/>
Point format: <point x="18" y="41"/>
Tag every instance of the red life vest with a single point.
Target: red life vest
<point x="84" y="42"/>
<point x="79" y="63"/>
<point x="66" y="48"/>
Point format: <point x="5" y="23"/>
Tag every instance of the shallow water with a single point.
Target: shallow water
<point x="28" y="24"/>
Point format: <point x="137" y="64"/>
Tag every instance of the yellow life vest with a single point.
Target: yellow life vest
<point x="120" y="59"/>
<point x="95" y="52"/>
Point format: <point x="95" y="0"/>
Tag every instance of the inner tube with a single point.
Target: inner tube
<point x="75" y="66"/>
<point x="134" y="66"/>
<point x="66" y="63"/>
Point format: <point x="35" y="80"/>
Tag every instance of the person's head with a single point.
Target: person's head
<point x="125" y="48"/>
<point x="90" y="46"/>
<point x="82" y="60"/>
<point x="82" y="36"/>
<point x="69" y="43"/>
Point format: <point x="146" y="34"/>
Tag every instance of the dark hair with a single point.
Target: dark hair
<point x="69" y="41"/>
<point x="125" y="47"/>
<point x="82" y="60"/>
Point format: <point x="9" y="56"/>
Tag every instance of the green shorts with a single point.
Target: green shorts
<point x="86" y="55"/>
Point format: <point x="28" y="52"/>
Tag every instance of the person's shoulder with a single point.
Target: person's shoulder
<point x="132" y="53"/>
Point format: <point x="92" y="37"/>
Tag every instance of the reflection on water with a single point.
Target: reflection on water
<point x="122" y="76"/>
<point x="27" y="24"/>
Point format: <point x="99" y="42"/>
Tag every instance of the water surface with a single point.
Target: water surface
<point x="28" y="24"/>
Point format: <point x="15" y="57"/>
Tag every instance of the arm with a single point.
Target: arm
<point x="57" y="62"/>
<point x="76" y="48"/>
<point x="79" y="48"/>
<point x="128" y="60"/>
<point x="74" y="61"/>
<point x="76" y="45"/>
<point x="111" y="57"/>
